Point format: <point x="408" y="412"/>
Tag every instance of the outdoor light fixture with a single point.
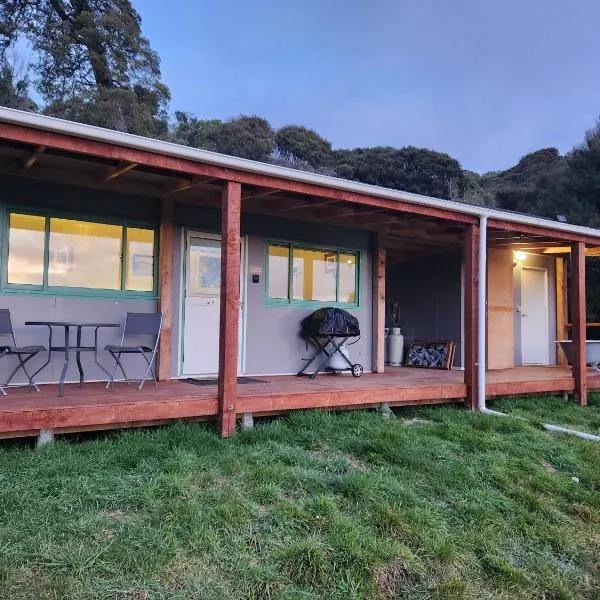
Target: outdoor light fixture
<point x="520" y="256"/>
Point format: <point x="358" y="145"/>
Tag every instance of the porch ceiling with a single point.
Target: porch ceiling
<point x="407" y="235"/>
<point x="533" y="243"/>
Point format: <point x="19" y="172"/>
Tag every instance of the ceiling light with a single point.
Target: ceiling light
<point x="520" y="255"/>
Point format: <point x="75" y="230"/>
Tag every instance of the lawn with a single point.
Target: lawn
<point x="437" y="503"/>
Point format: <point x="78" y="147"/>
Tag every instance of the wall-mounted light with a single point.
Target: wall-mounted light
<point x="520" y="256"/>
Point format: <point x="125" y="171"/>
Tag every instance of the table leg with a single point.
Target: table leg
<point x="78" y="356"/>
<point x="61" y="383"/>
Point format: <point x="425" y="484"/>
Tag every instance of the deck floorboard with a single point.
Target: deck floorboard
<point x="93" y="407"/>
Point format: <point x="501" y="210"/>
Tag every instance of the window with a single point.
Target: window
<point x="84" y="255"/>
<point x="140" y="259"/>
<point x="299" y="275"/>
<point x="26" y="249"/>
<point x="51" y="252"/>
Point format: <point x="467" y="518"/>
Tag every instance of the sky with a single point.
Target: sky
<point x="486" y="81"/>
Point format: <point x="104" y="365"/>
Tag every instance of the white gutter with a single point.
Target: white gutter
<point x="91" y="132"/>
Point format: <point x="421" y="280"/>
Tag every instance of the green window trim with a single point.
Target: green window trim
<point x="290" y="301"/>
<point x="71" y="291"/>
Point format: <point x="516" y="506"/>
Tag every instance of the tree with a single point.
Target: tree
<point x="245" y="136"/>
<point x="475" y="192"/>
<point x="299" y="144"/>
<point x="412" y="169"/>
<point x="198" y="133"/>
<point x="14" y="83"/>
<point x="92" y="62"/>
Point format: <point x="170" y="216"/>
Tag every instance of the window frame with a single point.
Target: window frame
<point x="290" y="301"/>
<point x="47" y="290"/>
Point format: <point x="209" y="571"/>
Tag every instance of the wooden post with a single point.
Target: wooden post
<point x="578" y="318"/>
<point x="561" y="307"/>
<point x="471" y="262"/>
<point x="165" y="286"/>
<point x="379" y="264"/>
<point x="230" y="306"/>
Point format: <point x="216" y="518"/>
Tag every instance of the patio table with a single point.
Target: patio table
<point x="67" y="348"/>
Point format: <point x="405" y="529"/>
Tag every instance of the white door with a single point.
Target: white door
<point x="534" y="316"/>
<point x="202" y="297"/>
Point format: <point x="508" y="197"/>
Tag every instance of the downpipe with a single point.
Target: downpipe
<point x="481" y="329"/>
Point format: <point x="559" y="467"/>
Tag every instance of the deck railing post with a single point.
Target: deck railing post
<point x="230" y="306"/>
<point x="165" y="289"/>
<point x="578" y="320"/>
<point x="471" y="320"/>
<point x="379" y="264"/>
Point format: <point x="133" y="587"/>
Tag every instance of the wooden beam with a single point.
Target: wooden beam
<point x="567" y="250"/>
<point x="547" y="232"/>
<point x="118" y="171"/>
<point x="292" y="204"/>
<point x="152" y="158"/>
<point x="471" y="319"/>
<point x="351" y="213"/>
<point x="76" y="177"/>
<point x="230" y="306"/>
<point x="561" y="307"/>
<point x="165" y="289"/>
<point x="578" y="313"/>
<point x="262" y="194"/>
<point x="378" y="308"/>
<point x="33" y="158"/>
<point x="188" y="185"/>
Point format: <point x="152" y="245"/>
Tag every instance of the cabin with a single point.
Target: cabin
<point x="95" y="224"/>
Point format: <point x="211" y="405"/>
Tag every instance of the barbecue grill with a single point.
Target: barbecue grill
<point x="328" y="329"/>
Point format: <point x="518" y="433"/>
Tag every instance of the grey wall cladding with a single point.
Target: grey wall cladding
<point x="273" y="345"/>
<point x="429" y="292"/>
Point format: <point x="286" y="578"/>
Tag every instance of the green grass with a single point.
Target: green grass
<point x="439" y="503"/>
<point x="554" y="410"/>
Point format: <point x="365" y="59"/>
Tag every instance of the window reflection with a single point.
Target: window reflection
<point x="279" y="272"/>
<point x="26" y="236"/>
<point x="140" y="260"/>
<point x="314" y="274"/>
<point x="84" y="254"/>
<point x="347" y="283"/>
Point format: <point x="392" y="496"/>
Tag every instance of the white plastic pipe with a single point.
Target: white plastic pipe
<point x="581" y="434"/>
<point x="481" y="329"/>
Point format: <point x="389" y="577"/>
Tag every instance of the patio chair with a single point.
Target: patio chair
<point x="23" y="353"/>
<point x="137" y="324"/>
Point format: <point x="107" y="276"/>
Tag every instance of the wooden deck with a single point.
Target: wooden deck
<point x="24" y="413"/>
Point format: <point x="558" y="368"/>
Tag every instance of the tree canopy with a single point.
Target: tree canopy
<point x="92" y="62"/>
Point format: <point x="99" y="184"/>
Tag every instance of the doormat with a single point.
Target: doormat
<point x="194" y="381"/>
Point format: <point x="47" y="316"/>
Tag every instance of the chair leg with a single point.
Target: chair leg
<point x="21" y="366"/>
<point x="148" y="370"/>
<point x="118" y="365"/>
<point x="2" y="390"/>
<point x="29" y="378"/>
<point x="111" y="376"/>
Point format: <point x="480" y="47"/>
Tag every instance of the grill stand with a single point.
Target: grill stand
<point x="329" y="347"/>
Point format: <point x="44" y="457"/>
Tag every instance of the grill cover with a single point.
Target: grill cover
<point x="330" y="321"/>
